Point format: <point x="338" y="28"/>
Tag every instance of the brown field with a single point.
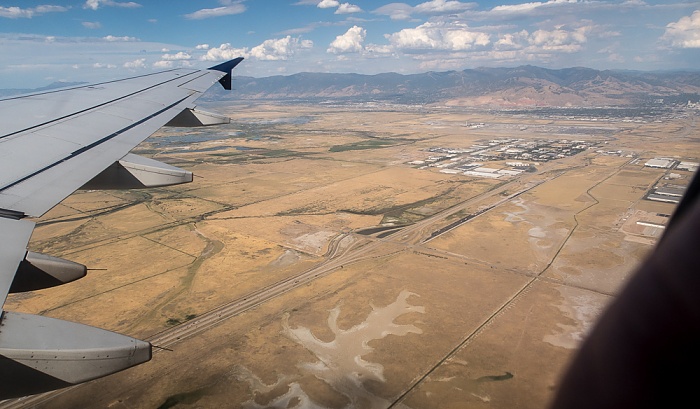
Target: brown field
<point x="486" y="314"/>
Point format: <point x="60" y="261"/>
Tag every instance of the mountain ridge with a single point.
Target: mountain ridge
<point x="520" y="86"/>
<point x="490" y="87"/>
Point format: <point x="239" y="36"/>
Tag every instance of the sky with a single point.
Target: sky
<point x="94" y="40"/>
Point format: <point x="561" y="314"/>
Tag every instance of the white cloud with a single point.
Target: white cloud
<point x="525" y="8"/>
<point x="402" y="11"/>
<point x="395" y="11"/>
<point x="347" y="8"/>
<point x="224" y="52"/>
<point x="102" y="65"/>
<point x="378" y="49"/>
<point x="175" y="57"/>
<point x="325" y="4"/>
<point x="514" y="41"/>
<point x="163" y="64"/>
<point x="443" y="6"/>
<point x="518" y="8"/>
<point x="684" y="33"/>
<point x="269" y="50"/>
<point x="559" y="40"/>
<point x="349" y="42"/>
<point x="279" y="49"/>
<point x="135" y="64"/>
<point x="112" y="39"/>
<point x="91" y="24"/>
<point x="95" y="4"/>
<point x="439" y="36"/>
<point x="202" y="47"/>
<point x="17" y="12"/>
<point x="217" y="12"/>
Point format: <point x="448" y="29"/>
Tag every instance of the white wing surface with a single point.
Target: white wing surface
<point x="51" y="144"/>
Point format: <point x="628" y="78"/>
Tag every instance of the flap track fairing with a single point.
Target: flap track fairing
<point x="38" y="271"/>
<point x="43" y="353"/>
<point x="136" y="172"/>
<point x="191" y="117"/>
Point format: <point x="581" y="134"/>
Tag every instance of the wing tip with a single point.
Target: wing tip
<point x="226" y="68"/>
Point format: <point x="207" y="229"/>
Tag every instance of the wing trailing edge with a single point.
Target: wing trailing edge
<point x="84" y="131"/>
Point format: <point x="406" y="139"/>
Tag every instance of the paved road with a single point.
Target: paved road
<point x="412" y="236"/>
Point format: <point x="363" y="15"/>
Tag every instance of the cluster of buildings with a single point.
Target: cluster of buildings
<point x="470" y="161"/>
<point x="667" y="163"/>
<point x="666" y="193"/>
<point x="669" y="192"/>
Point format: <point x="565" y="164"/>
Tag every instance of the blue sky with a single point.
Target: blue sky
<point x="49" y="40"/>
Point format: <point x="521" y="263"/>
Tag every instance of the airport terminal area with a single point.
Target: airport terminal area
<point x="366" y="255"/>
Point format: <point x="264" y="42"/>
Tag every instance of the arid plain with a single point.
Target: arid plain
<point x="318" y="261"/>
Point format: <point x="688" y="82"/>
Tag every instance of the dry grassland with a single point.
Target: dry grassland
<point x="484" y="315"/>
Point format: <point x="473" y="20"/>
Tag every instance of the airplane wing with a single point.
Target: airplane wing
<point x="51" y="144"/>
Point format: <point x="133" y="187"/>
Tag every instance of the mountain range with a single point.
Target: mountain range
<point x="523" y="86"/>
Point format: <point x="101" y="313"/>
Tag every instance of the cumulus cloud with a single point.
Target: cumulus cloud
<point x="374" y="49"/>
<point x="102" y="65"/>
<point x="269" y="50"/>
<point x="448" y="44"/>
<point x="224" y="52"/>
<point x="175" y="57"/>
<point x="347" y="8"/>
<point x="95" y="4"/>
<point x="349" y="42"/>
<point x="279" y="49"/>
<point x="17" y="12"/>
<point x="511" y="41"/>
<point x="684" y="33"/>
<point x="235" y="8"/>
<point x="135" y="64"/>
<point x="202" y="47"/>
<point x="559" y="39"/>
<point x="163" y="64"/>
<point x="439" y="36"/>
<point x="325" y="4"/>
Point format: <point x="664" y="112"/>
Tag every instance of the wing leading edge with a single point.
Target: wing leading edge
<point x="51" y="144"/>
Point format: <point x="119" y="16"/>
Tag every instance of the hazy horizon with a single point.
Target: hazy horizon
<point x="57" y="83"/>
<point x="95" y="40"/>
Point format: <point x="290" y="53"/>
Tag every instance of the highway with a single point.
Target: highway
<point x="362" y="247"/>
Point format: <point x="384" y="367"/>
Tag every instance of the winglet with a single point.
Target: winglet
<point x="226" y="68"/>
